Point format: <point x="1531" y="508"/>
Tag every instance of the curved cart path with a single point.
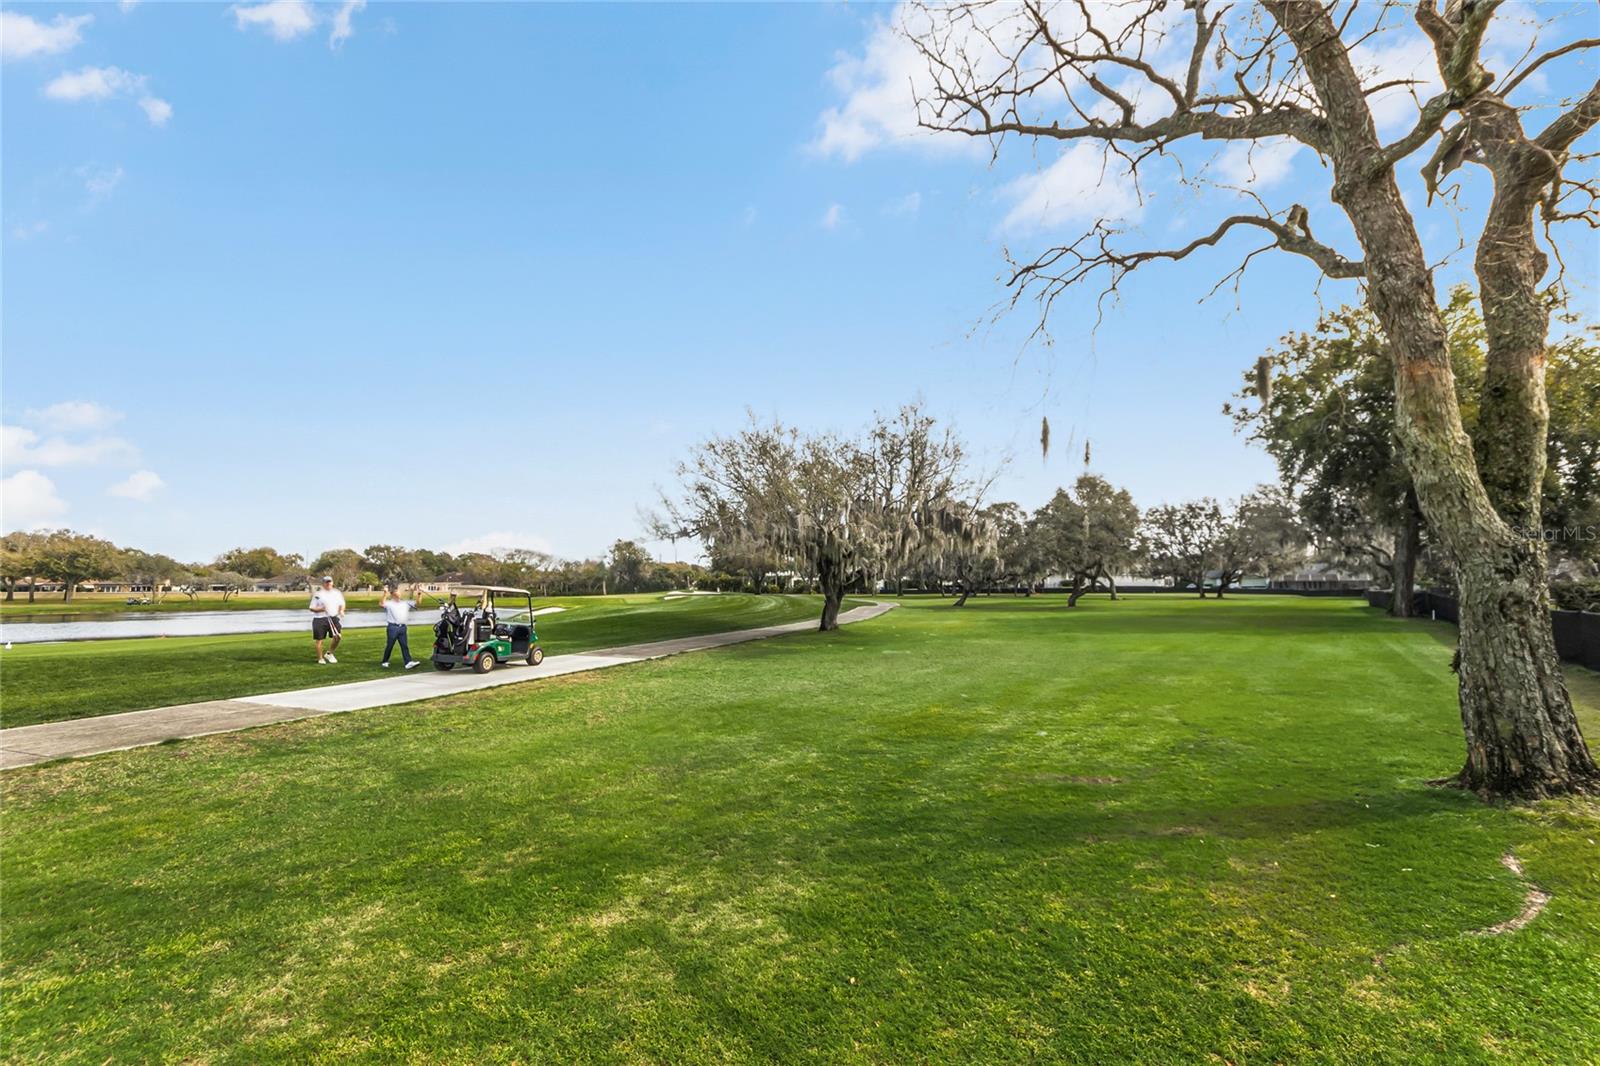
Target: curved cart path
<point x="29" y="744"/>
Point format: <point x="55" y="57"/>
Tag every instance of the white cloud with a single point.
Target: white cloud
<point x="748" y="216"/>
<point x="1080" y="186"/>
<point x="1397" y="54"/>
<point x="72" y="415"/>
<point x="93" y="83"/>
<point x="26" y="231"/>
<point x="284" y="20"/>
<point x="20" y="446"/>
<point x="342" y="28"/>
<point x="140" y="485"/>
<point x="490" y="543"/>
<point x="21" y="36"/>
<point x="127" y="5"/>
<point x="832" y="216"/>
<point x="156" y="110"/>
<point x="28" y="500"/>
<point x="909" y="204"/>
<point x="102" y="83"/>
<point x="1257" y="164"/>
<point x="880" y="88"/>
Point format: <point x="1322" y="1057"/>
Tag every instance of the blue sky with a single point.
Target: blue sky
<point x="267" y="270"/>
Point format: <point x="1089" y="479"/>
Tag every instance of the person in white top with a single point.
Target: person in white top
<point x="396" y="613"/>
<point x="327" y="619"/>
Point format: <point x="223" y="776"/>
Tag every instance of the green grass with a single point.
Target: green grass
<point x="53" y="682"/>
<point x="1157" y="831"/>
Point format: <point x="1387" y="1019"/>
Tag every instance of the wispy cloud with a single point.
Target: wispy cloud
<point x="99" y="182"/>
<point x="26" y="231"/>
<point x="21" y="36"/>
<point x="283" y="20"/>
<point x="1080" y="186"/>
<point x="909" y="204"/>
<point x="65" y="434"/>
<point x="343" y="30"/>
<point x="21" y="446"/>
<point x="140" y="485"/>
<point x="73" y="415"/>
<point x="103" y="83"/>
<point x="833" y="216"/>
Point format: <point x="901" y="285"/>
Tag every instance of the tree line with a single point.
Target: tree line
<point x="69" y="559"/>
<point x="901" y="504"/>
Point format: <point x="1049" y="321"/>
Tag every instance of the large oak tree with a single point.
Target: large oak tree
<point x="1143" y="77"/>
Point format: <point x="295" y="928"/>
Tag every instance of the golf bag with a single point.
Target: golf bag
<point x="450" y="631"/>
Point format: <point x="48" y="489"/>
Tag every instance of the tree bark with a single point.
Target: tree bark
<point x="831" y="579"/>
<point x="1522" y="737"/>
<point x="1403" y="564"/>
<point x="1077" y="590"/>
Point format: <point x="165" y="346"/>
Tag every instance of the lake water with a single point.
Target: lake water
<point x="40" y="629"/>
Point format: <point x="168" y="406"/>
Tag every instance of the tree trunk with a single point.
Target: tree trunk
<point x="11" y="591"/>
<point x="1403" y="565"/>
<point x="1077" y="590"/>
<point x="831" y="579"/>
<point x="66" y="594"/>
<point x="1522" y="737"/>
<point x="963" y="592"/>
<point x="1111" y="582"/>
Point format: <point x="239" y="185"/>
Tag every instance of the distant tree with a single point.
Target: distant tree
<point x="230" y="583"/>
<point x="834" y="509"/>
<point x="391" y="563"/>
<point x="1571" y="499"/>
<point x="432" y="564"/>
<point x="1181" y="541"/>
<point x="20" y="555"/>
<point x="257" y="562"/>
<point x="1261" y="534"/>
<point x="344" y="565"/>
<point x="151" y="568"/>
<point x="366" y="579"/>
<point x="1087" y="534"/>
<point x="72" y="558"/>
<point x="627" y="563"/>
<point x="1017" y="543"/>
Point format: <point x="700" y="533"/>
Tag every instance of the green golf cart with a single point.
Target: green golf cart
<point x="497" y="629"/>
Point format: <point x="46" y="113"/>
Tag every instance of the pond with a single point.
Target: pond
<point x="40" y="629"/>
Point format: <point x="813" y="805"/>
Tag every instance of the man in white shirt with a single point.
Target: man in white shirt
<point x="396" y="613"/>
<point x="327" y="619"/>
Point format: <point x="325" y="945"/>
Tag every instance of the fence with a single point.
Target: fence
<point x="1577" y="633"/>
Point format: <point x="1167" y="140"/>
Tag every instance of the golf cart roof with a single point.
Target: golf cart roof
<point x="492" y="588"/>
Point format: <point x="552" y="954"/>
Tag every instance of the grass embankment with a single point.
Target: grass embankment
<point x="1161" y="831"/>
<point x="52" y="682"/>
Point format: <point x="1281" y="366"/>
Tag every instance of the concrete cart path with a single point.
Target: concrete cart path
<point x="29" y="744"/>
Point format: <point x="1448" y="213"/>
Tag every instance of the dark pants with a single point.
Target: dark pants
<point x="397" y="633"/>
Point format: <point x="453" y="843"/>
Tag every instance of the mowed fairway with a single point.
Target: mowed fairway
<point x="1160" y="830"/>
<point x="53" y="682"/>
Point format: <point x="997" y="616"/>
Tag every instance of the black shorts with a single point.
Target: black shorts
<point x="324" y="626"/>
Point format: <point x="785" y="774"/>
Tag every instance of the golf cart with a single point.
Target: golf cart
<point x="486" y="634"/>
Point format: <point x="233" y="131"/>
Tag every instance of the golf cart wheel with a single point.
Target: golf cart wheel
<point x="484" y="663"/>
<point x="535" y="656"/>
<point x="437" y="665"/>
